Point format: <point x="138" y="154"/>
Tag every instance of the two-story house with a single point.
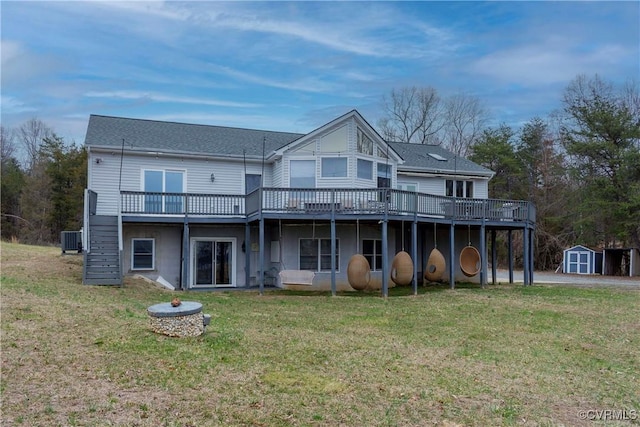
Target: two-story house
<point x="204" y="207"/>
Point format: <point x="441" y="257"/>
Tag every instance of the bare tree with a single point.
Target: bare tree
<point x="31" y="134"/>
<point x="465" y="118"/>
<point x="413" y="115"/>
<point x="7" y="143"/>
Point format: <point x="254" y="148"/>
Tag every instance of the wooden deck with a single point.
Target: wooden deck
<point x="338" y="203"/>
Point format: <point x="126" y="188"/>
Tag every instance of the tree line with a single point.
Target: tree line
<point x="43" y="181"/>
<point x="580" y="166"/>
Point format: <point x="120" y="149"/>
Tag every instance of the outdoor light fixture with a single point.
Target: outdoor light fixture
<point x="98" y="160"/>
<point x="213" y="177"/>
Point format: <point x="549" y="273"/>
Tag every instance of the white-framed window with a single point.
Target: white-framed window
<point x="315" y="254"/>
<point x="302" y="173"/>
<point x="163" y="181"/>
<point x="462" y="188"/>
<point x="365" y="169"/>
<point x="334" y="167"/>
<point x="372" y="251"/>
<point x="143" y="252"/>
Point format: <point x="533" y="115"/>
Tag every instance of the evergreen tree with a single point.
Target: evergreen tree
<point x="601" y="134"/>
<point x="12" y="182"/>
<point x="66" y="168"/>
<point x="495" y="150"/>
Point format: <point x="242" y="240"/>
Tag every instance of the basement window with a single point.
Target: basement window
<point x="143" y="254"/>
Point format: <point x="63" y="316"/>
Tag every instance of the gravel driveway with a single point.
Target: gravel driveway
<point x="590" y="280"/>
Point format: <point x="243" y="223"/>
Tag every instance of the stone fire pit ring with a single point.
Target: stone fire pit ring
<point x="185" y="320"/>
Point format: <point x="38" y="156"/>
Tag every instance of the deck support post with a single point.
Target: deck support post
<point x="385" y="247"/>
<point x="333" y="244"/>
<point x="185" y="255"/>
<point x="261" y="255"/>
<point x="483" y="256"/>
<point x="531" y="255"/>
<point x="247" y="254"/>
<point x="510" y="250"/>
<point x="452" y="257"/>
<point x="414" y="254"/>
<point x="494" y="258"/>
<point x="525" y="255"/>
<point x="385" y="259"/>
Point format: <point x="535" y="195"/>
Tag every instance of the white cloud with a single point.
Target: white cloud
<point x="19" y="65"/>
<point x="344" y="27"/>
<point x="11" y="105"/>
<point x="547" y="63"/>
<point x="310" y="84"/>
<point x="156" y="97"/>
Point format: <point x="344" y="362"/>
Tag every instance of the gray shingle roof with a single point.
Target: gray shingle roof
<point x="151" y="135"/>
<point x="416" y="157"/>
<point x="172" y="137"/>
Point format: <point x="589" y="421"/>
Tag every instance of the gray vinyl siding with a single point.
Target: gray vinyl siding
<point x="436" y="184"/>
<point x="277" y="180"/>
<point x="104" y="177"/>
<point x="481" y="189"/>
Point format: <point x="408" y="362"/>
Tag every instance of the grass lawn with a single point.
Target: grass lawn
<point x="505" y="355"/>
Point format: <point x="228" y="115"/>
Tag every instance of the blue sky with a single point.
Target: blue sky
<point x="293" y="66"/>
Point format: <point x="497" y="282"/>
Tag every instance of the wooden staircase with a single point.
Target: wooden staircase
<point x="102" y="264"/>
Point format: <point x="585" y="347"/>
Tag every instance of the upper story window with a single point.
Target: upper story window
<point x="384" y="175"/>
<point x="334" y="167"/>
<point x="462" y="188"/>
<point x="163" y="181"/>
<point x="364" y="143"/>
<point x="302" y="173"/>
<point x="365" y="169"/>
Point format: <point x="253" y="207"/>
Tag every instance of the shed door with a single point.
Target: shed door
<point x="579" y="262"/>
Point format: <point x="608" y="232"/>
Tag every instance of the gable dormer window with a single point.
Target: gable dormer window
<point x="364" y="143"/>
<point x="334" y="142"/>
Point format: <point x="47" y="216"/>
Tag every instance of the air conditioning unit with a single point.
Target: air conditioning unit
<point x="71" y="241"/>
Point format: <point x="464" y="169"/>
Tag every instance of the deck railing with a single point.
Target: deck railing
<point x="374" y="201"/>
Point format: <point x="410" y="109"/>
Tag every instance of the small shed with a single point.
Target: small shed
<point x="621" y="262"/>
<point x="582" y="260"/>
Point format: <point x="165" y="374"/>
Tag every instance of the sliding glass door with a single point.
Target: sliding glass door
<point x="213" y="262"/>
